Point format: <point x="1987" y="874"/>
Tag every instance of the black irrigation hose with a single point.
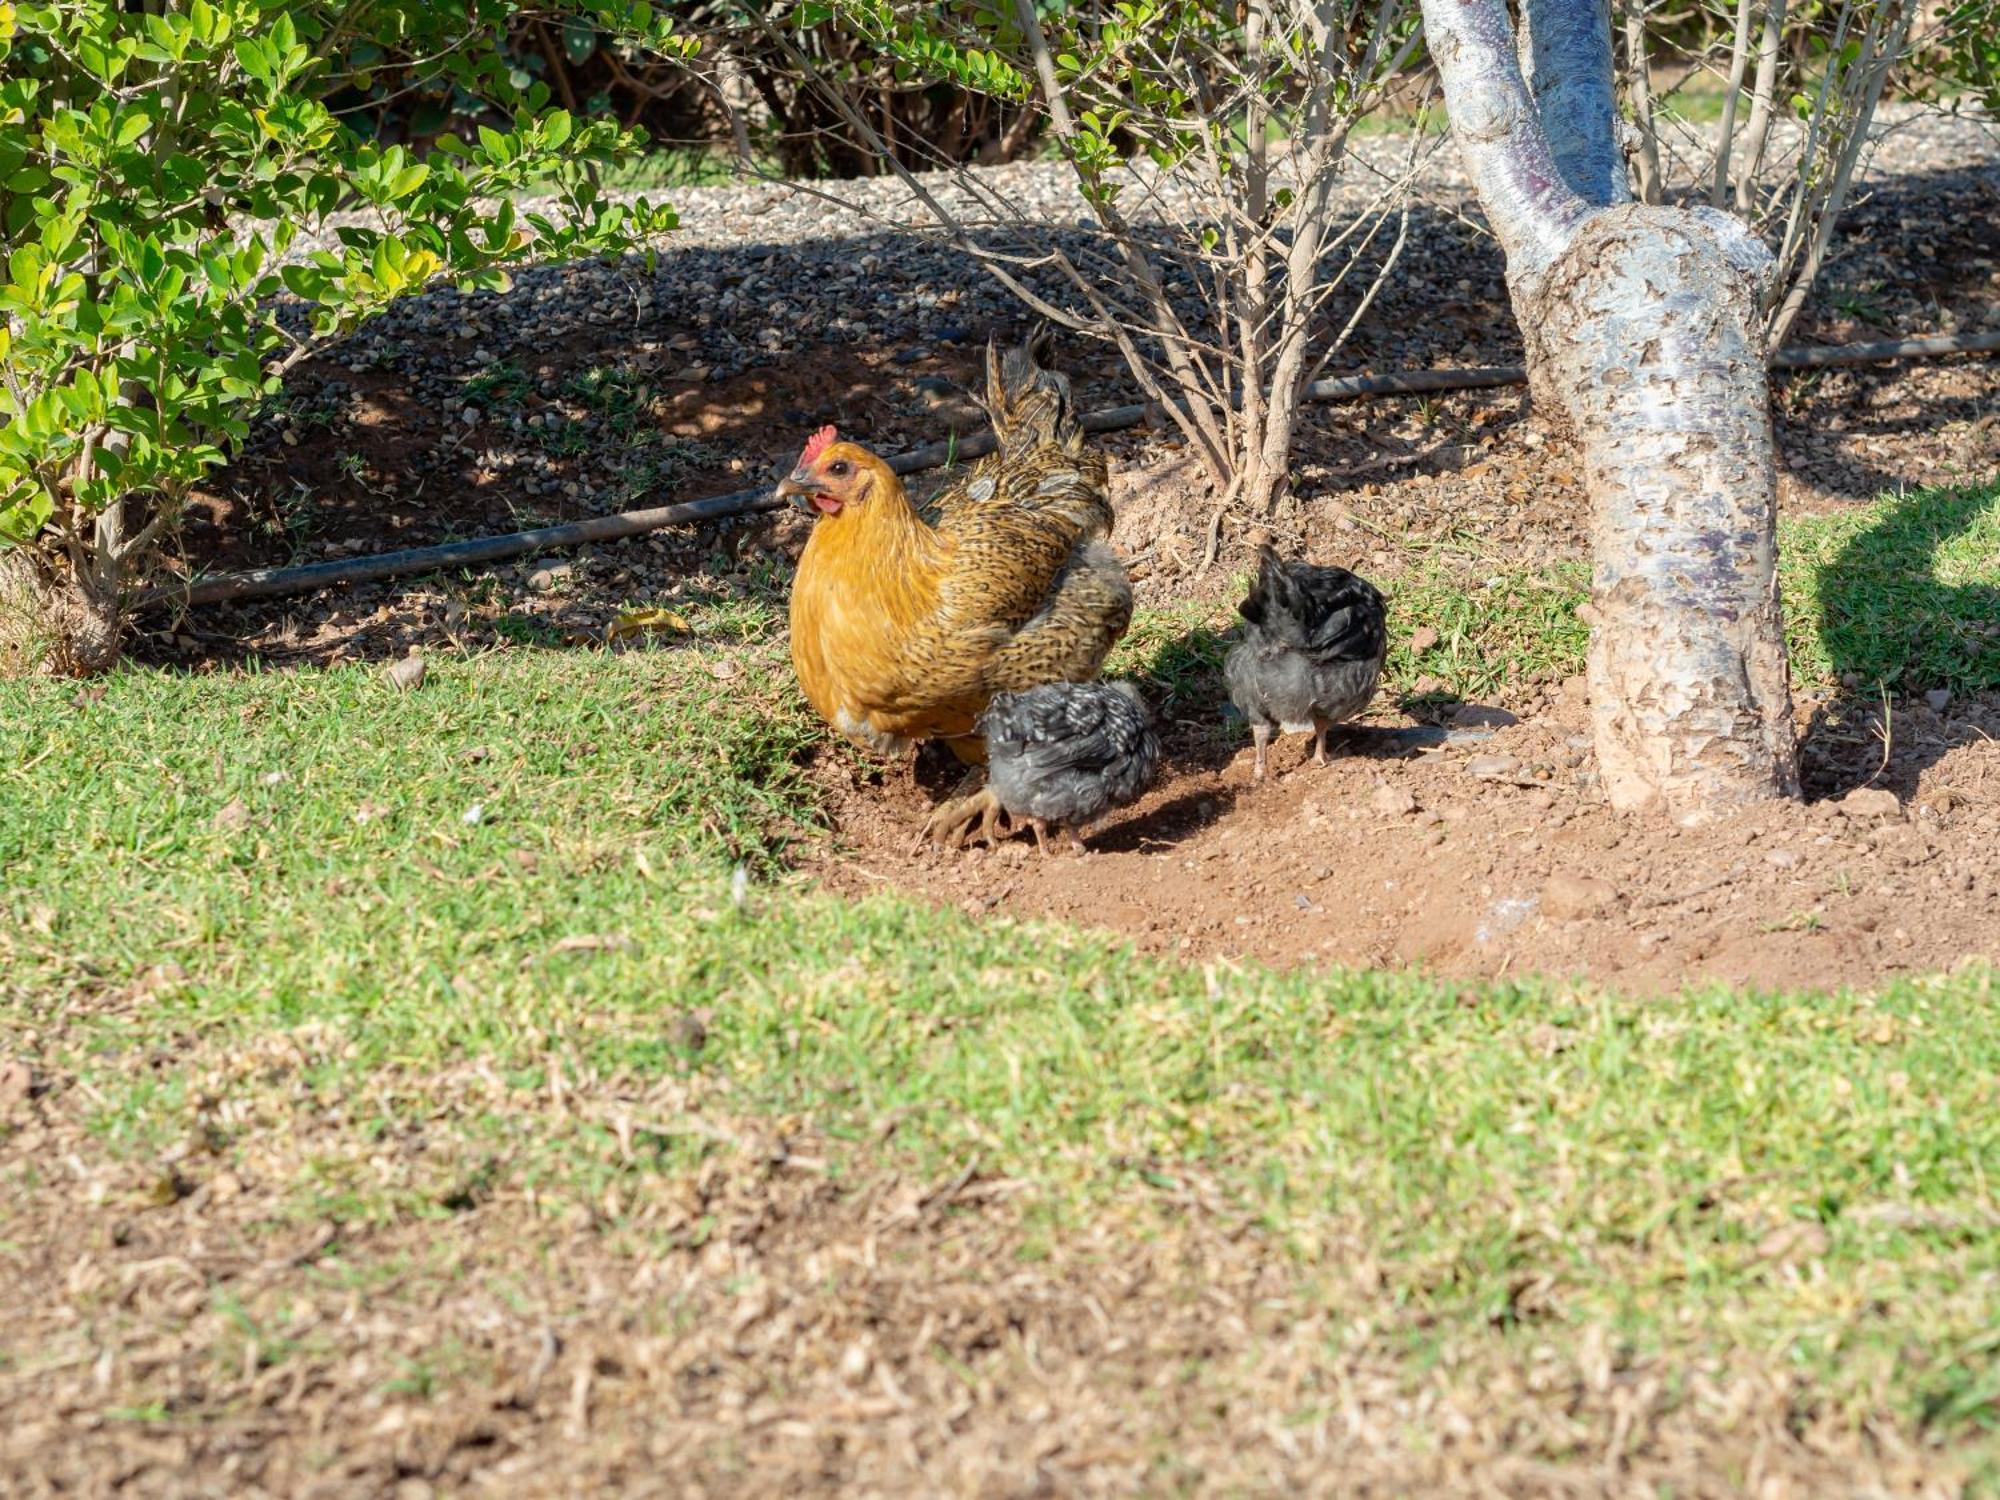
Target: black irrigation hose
<point x="259" y="583"/>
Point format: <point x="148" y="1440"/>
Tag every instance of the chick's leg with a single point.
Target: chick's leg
<point x="1261" y="733"/>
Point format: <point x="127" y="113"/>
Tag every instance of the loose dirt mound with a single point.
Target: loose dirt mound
<point x="1484" y="848"/>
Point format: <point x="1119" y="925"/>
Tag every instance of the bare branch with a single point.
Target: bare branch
<point x="1739" y="63"/>
<point x="1762" y="106"/>
<point x="1565" y="48"/>
<point x="1533" y="210"/>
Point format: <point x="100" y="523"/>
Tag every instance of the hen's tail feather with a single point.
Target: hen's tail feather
<point x="1027" y="403"/>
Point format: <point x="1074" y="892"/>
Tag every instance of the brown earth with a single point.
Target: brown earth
<point x="1482" y="850"/>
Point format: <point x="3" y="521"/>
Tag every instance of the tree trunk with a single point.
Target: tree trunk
<point x="1641" y="327"/>
<point x="1650" y="328"/>
<point x="52" y="624"/>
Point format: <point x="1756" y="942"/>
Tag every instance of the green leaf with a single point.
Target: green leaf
<point x="254" y="58"/>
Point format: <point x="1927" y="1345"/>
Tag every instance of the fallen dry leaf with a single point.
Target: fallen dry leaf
<point x="637" y="621"/>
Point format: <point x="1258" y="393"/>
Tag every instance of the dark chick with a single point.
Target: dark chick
<point x="1064" y="754"/>
<point x="1312" y="650"/>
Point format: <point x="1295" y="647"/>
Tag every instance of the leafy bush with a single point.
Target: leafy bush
<point x="1971" y="42"/>
<point x="155" y="171"/>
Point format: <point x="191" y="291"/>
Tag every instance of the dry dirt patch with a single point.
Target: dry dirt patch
<point x="756" y="1329"/>
<point x="1482" y="849"/>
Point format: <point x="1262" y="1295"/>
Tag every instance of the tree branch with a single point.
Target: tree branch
<point x="1566" y="53"/>
<point x="1533" y="210"/>
<point x="1762" y="102"/>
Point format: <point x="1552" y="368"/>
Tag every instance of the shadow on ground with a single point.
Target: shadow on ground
<point x="1898" y="625"/>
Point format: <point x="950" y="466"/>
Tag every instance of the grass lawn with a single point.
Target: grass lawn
<point x="276" y="927"/>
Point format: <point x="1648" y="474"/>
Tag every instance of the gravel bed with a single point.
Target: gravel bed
<point x="593" y="388"/>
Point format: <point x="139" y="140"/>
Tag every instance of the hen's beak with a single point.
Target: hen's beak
<point x="797" y="488"/>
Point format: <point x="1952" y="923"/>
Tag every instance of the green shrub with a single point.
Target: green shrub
<point x="155" y="169"/>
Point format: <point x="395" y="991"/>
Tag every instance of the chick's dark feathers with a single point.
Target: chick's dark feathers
<point x="1067" y="753"/>
<point x="1329" y="614"/>
<point x="1313" y="643"/>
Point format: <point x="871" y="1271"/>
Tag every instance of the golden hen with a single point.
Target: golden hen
<point x="905" y="623"/>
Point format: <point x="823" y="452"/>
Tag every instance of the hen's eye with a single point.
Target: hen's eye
<point x="838" y="466"/>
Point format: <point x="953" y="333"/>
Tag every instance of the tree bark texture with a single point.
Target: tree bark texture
<point x="1651" y="329"/>
<point x="1641" y="327"/>
<point x="50" y="623"/>
<point x="1566" y="57"/>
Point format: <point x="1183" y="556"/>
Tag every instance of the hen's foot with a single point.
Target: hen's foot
<point x="953" y="822"/>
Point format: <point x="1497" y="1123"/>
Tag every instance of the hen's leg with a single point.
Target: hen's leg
<point x="972" y="803"/>
<point x="1261" y="733"/>
<point x="1320" y="727"/>
<point x="1041" y="836"/>
<point x="994" y="824"/>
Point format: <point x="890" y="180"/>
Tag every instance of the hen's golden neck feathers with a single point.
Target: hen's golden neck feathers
<point x="876" y="525"/>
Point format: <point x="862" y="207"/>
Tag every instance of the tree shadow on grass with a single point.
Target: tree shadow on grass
<point x="1909" y="604"/>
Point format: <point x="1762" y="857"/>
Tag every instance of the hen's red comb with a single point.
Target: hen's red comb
<point x="818" y="443"/>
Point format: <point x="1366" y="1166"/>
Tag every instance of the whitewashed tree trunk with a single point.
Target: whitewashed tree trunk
<point x="1642" y="326"/>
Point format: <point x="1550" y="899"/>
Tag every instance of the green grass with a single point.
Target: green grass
<point x="302" y="851"/>
<point x="1903" y="593"/>
<point x="260" y="909"/>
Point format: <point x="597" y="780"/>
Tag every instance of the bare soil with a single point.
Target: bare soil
<point x="1481" y="849"/>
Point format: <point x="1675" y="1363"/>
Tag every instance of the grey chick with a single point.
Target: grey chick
<point x="1066" y="753"/>
<point x="1311" y="654"/>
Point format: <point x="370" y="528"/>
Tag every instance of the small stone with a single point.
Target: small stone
<point x="1799" y="1241"/>
<point x="231" y="816"/>
<point x="1939" y="699"/>
<point x="224" y="1186"/>
<point x="1482" y="716"/>
<point x="1784" y="859"/>
<point x="1392" y="801"/>
<point x="1492" y="767"/>
<point x="1424" y="637"/>
<point x="855" y="1364"/>
<point x="17" y="1084"/>
<point x="542" y="580"/>
<point x="407" y="675"/>
<point x="1871" y="802"/>
<point x="1541" y="799"/>
<point x="1567" y="896"/>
